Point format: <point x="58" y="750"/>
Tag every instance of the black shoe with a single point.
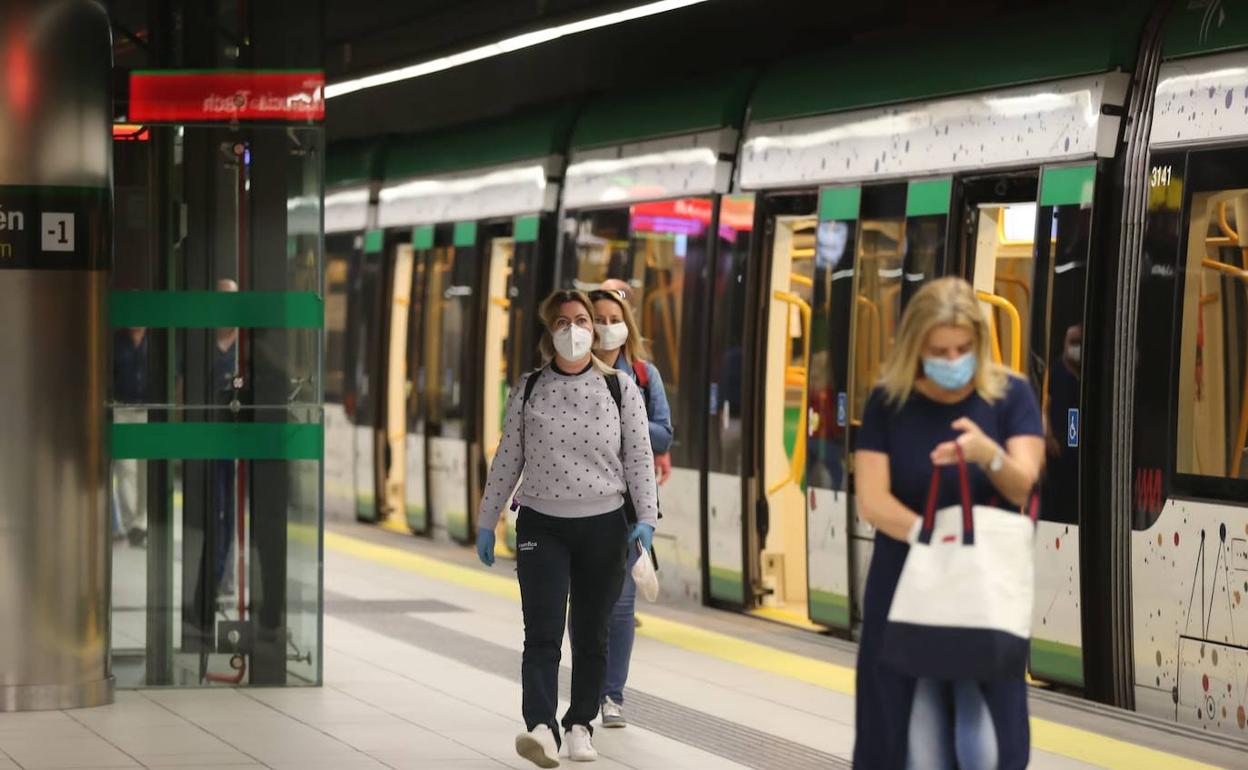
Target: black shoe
<point x="137" y="537"/>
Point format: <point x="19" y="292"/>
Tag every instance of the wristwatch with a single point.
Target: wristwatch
<point x="998" y="461"/>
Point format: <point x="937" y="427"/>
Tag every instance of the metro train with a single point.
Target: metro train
<point x="1092" y="183"/>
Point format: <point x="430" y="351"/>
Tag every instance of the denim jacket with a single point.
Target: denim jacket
<point x="657" y="409"/>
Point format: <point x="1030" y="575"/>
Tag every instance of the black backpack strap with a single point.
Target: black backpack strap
<point x="613" y="385"/>
<point x="529" y="384"/>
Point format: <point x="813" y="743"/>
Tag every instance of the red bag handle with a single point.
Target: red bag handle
<point x="933" y="492"/>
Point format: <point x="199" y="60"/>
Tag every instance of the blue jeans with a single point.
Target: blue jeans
<point x="950" y="727"/>
<point x="620" y="634"/>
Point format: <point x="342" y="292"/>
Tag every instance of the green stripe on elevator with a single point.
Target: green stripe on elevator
<point x="839" y="203"/>
<point x="212" y="309"/>
<point x="928" y="197"/>
<point x="217" y="441"/>
<point x="1068" y="185"/>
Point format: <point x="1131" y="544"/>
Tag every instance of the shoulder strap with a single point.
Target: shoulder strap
<point x="642" y="371"/>
<point x="613" y="385"/>
<point x="529" y="384"/>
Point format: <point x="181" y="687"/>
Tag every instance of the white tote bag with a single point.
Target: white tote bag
<point x="962" y="608"/>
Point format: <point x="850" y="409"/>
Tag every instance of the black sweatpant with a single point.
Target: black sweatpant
<point x="555" y="556"/>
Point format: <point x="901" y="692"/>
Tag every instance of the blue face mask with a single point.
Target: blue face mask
<point x="950" y="374"/>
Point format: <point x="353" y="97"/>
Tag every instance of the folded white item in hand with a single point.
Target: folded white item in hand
<point x="644" y="576"/>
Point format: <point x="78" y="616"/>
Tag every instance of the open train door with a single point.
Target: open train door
<point x="827" y="408"/>
<point x="1026" y="239"/>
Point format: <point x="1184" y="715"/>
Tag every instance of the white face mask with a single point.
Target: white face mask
<point x="611" y="336"/>
<point x="572" y="342"/>
<point x="1074" y="354"/>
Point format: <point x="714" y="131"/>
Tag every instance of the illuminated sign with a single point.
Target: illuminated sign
<point x="125" y="132"/>
<point x="226" y="96"/>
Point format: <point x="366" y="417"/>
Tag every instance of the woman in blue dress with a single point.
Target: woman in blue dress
<point x="940" y="389"/>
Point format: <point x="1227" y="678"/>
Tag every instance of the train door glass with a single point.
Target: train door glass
<point x="451" y="309"/>
<point x="827" y="407"/>
<point x="415" y="486"/>
<point x="364" y="317"/>
<point x="998" y="241"/>
<point x="340" y="251"/>
<point x="495" y="381"/>
<point x="902" y="232"/>
<point x="1053" y="320"/>
<point x="726" y="464"/>
<point x="660" y="249"/>
<point x="785" y="356"/>
<point x="392" y="509"/>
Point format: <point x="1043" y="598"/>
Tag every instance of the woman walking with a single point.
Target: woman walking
<point x="620" y="344"/>
<point x="940" y="392"/>
<point x="578" y="433"/>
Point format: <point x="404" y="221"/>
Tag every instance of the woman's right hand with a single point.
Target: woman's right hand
<point x="485" y="546"/>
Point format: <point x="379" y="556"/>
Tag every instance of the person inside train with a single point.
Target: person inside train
<point x="620" y="343"/>
<point x="939" y="390"/>
<point x="224" y="372"/>
<point x="130" y="386"/>
<point x="579" y="434"/>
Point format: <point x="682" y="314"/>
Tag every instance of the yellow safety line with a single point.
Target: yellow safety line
<point x="395" y="523"/>
<point x="1053" y="737"/>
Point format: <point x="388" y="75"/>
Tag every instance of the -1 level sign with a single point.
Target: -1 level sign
<point x="53" y="228"/>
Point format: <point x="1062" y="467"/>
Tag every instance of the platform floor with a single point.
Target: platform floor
<point x="422" y="671"/>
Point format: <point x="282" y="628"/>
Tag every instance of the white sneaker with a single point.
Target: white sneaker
<point x="538" y="746"/>
<point x="613" y="714"/>
<point x="580" y="748"/>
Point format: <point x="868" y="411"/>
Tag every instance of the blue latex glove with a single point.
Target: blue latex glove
<point x="643" y="533"/>
<point x="485" y="546"/>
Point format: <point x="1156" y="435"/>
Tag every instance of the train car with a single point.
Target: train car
<point x="865" y="192"/>
<point x="645" y="200"/>
<point x="1090" y="183"/>
<point x="462" y="215"/>
<point x="1187" y="333"/>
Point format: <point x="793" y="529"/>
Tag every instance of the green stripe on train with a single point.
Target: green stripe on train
<point x="829" y="609"/>
<point x="726" y="585"/>
<point x="1057" y="662"/>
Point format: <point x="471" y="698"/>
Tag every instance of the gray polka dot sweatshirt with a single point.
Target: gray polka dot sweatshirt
<point x="569" y="450"/>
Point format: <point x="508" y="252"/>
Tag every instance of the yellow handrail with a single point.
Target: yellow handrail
<point x="1016" y="327"/>
<point x="1225" y="226"/>
<point x="797" y="464"/>
<point x="875" y="335"/>
<point x="801" y="280"/>
<point x="1239" y="273"/>
<point x="501" y="302"/>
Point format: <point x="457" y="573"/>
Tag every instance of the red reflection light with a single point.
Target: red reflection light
<point x="18" y="70"/>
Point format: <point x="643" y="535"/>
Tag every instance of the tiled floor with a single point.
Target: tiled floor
<point x="437" y="687"/>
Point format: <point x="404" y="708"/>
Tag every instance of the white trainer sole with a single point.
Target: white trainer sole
<point x="532" y="749"/>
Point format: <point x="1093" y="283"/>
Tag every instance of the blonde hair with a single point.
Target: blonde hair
<point x="635" y="347"/>
<point x="549" y="313"/>
<point x="943" y="302"/>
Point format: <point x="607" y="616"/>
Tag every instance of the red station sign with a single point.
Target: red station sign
<point x="226" y="96"/>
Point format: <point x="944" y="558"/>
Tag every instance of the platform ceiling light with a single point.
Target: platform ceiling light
<point x="527" y="40"/>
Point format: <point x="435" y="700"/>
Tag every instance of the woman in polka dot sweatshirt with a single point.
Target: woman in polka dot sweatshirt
<point x="579" y="455"/>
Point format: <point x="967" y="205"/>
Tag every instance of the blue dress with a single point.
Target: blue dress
<point x="908" y="434"/>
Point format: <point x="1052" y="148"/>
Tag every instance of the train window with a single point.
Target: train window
<point x="729" y="305"/>
<point x="881" y="253"/>
<point x="336" y="267"/>
<point x="449" y="321"/>
<point x="1213" y="353"/>
<point x="653" y="246"/>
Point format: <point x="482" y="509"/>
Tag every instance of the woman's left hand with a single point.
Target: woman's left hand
<point x="976" y="447"/>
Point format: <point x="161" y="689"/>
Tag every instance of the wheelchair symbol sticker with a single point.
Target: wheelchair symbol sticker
<point x="1072" y="428"/>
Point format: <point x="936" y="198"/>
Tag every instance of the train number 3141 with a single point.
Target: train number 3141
<point x="1160" y="176"/>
